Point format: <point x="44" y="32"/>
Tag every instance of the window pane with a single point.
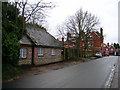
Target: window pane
<point x="23" y="52"/>
<point x="40" y="51"/>
<point x="20" y="53"/>
<point x="53" y="52"/>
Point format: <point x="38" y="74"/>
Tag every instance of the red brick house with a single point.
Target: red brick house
<point x="95" y="41"/>
<point x="111" y="49"/>
<point x="105" y="47"/>
<point x="39" y="47"/>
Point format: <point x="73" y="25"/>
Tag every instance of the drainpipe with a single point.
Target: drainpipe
<point x="33" y="55"/>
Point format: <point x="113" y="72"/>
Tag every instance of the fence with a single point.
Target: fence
<point x="73" y="53"/>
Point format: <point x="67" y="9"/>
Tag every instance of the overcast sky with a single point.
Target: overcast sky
<point x="106" y="10"/>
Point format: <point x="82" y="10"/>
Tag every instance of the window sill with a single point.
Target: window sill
<point x="40" y="55"/>
<point x="22" y="57"/>
<point x="52" y="55"/>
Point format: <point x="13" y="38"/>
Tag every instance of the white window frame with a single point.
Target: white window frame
<point x="40" y="51"/>
<point x="52" y="51"/>
<point x="111" y="49"/>
<point x="23" y="53"/>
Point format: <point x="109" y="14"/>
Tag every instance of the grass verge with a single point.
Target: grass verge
<point x="9" y="71"/>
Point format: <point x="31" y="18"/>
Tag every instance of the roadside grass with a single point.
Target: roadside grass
<point x="9" y="71"/>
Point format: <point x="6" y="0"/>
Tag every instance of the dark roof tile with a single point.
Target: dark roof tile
<point x="42" y="37"/>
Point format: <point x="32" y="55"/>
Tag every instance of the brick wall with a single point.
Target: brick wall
<point x="95" y="42"/>
<point x="47" y="57"/>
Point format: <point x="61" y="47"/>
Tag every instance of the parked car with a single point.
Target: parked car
<point x="106" y="53"/>
<point x="98" y="54"/>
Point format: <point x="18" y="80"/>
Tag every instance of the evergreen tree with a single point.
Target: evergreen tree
<point x="10" y="33"/>
<point x="115" y="45"/>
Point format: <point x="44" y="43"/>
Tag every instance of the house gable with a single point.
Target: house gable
<point x="111" y="46"/>
<point x="94" y="33"/>
<point x="25" y="40"/>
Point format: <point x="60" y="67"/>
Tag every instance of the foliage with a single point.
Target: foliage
<point x="79" y="26"/>
<point x="34" y="12"/>
<point x="79" y="23"/>
<point x="116" y="45"/>
<point x="10" y="71"/>
<point x="10" y="34"/>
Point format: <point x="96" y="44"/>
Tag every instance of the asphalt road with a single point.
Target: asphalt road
<point x="92" y="74"/>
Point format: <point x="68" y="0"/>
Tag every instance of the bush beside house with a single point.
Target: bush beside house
<point x="10" y="40"/>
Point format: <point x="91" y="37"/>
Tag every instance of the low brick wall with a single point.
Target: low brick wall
<point x="21" y="62"/>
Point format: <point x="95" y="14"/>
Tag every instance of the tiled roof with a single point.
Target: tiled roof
<point x="42" y="37"/>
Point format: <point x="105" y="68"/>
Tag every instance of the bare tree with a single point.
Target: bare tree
<point x="81" y="22"/>
<point x="33" y="12"/>
<point x="61" y="31"/>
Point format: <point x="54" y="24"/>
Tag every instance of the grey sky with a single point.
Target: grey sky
<point x="106" y="10"/>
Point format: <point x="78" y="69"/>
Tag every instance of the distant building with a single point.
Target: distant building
<point x="105" y="47"/>
<point x="39" y="47"/>
<point x="109" y="48"/>
<point x="95" y="41"/>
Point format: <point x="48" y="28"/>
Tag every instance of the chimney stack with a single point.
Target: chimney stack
<point x="62" y="40"/>
<point x="101" y="31"/>
<point x="108" y="44"/>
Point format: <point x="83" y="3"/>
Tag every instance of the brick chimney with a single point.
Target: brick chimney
<point x="101" y="31"/>
<point x="63" y="40"/>
<point x="108" y="44"/>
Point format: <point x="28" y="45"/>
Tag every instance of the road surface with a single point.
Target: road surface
<point x="92" y="74"/>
